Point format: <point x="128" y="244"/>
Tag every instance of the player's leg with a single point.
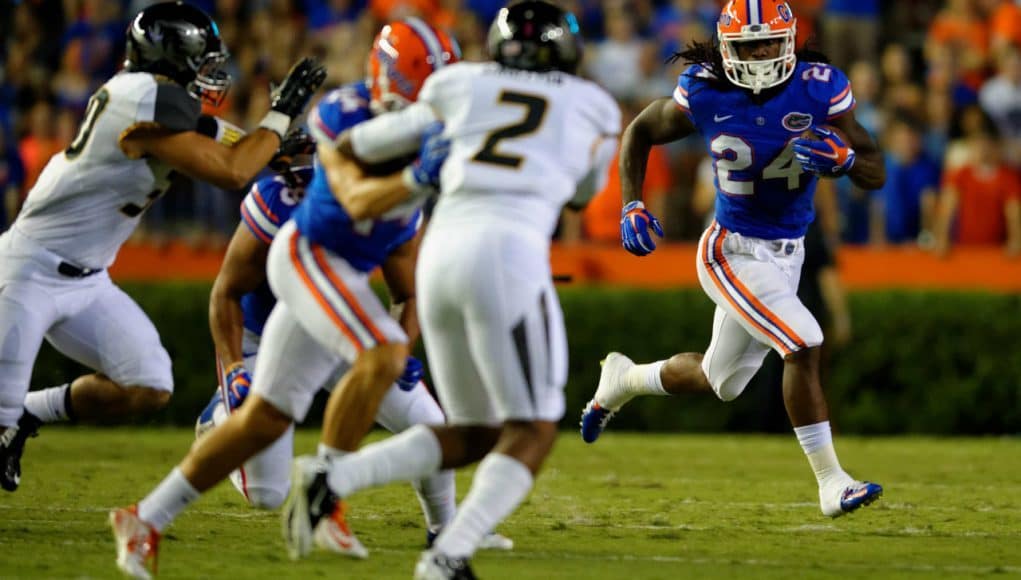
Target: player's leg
<point x="114" y="336"/>
<point x="26" y="311"/>
<point x="756" y="281"/>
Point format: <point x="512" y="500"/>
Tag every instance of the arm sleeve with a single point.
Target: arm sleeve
<point x="219" y="130"/>
<point x="842" y="98"/>
<point x="175" y="108"/>
<point x="262" y="210"/>
<point x="392" y="135"/>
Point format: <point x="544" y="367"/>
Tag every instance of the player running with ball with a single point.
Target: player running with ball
<point x="774" y="124"/>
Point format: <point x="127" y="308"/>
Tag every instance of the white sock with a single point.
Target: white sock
<point x="645" y="379"/>
<point x="170" y="497"/>
<point x="437" y="494"/>
<point x="328" y="452"/>
<point x="50" y="405"/>
<point x="409" y="455"/>
<point x="500" y="484"/>
<point x="817" y="441"/>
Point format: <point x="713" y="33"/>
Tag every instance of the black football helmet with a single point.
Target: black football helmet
<point x="183" y="43"/>
<point x="537" y="36"/>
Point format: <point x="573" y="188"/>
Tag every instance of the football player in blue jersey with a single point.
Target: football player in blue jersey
<point x="774" y="124"/>
<point x="327" y="314"/>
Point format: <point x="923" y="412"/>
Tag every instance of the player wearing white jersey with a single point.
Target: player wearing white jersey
<point x="527" y="137"/>
<point x="139" y="128"/>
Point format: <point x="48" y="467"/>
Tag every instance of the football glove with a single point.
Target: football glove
<point x="239" y="382"/>
<point x="423" y="175"/>
<point x="635" y="222"/>
<point x="296" y="142"/>
<point x="288" y="99"/>
<point x="413" y="371"/>
<point x="828" y="156"/>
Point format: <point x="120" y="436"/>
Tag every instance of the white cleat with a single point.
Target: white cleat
<point x="611" y="394"/>
<point x="334" y="535"/>
<point x="495" y="541"/>
<point x="309" y="502"/>
<point x="847" y="496"/>
<point x="137" y="543"/>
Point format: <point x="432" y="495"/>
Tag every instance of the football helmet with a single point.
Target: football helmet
<point x="404" y="54"/>
<point x="752" y="20"/>
<point x="181" y="42"/>
<point x="537" y="36"/>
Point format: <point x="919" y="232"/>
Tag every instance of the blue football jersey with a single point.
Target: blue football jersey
<point x="268" y="205"/>
<point x="761" y="190"/>
<point x="364" y="244"/>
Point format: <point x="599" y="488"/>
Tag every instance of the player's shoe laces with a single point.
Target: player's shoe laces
<point x="609" y="398"/>
<point x="491" y="541"/>
<point x="334" y="535"/>
<point x="12" y="445"/>
<point x="309" y="502"/>
<point x="137" y="543"/>
<point x="848" y="498"/>
<point x="434" y="566"/>
<point x="207" y="419"/>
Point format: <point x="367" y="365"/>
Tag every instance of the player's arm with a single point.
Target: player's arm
<point x="204" y="158"/>
<point x="663" y="121"/>
<point x="869" y="170"/>
<point x="243" y="270"/>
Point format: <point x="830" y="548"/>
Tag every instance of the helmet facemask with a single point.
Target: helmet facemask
<point x="212" y="81"/>
<point x="758" y="75"/>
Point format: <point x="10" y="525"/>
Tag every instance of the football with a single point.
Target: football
<point x="809" y="134"/>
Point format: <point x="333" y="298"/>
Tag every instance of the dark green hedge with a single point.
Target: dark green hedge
<point x="921" y="362"/>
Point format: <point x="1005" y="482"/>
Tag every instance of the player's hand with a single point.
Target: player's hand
<point x="827" y="155"/>
<point x="412" y="374"/>
<point x="425" y="171"/>
<point x="239" y="382"/>
<point x="296" y="142"/>
<point x="635" y="222"/>
<point x="291" y="96"/>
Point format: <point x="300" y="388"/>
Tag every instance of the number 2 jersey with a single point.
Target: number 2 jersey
<point x="365" y="244"/>
<point x="522" y="143"/>
<point x="89" y="198"/>
<point x="761" y="189"/>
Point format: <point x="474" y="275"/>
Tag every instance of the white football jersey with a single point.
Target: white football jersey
<point x="90" y="197"/>
<point x="523" y="144"/>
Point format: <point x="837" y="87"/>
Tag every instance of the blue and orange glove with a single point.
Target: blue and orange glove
<point x="635" y="222"/>
<point x="413" y="371"/>
<point x="827" y="155"/>
<point x="239" y="382"/>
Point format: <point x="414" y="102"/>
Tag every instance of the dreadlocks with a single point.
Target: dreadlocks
<point x="707" y="53"/>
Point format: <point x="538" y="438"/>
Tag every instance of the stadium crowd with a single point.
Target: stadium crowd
<point x="938" y="83"/>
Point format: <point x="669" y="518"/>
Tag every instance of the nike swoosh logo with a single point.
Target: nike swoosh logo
<point x="720" y="119"/>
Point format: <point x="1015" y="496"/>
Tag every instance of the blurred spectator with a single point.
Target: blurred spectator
<point x="680" y="21"/>
<point x="864" y="77"/>
<point x="968" y="121"/>
<point x="850" y="31"/>
<point x="899" y="89"/>
<point x="808" y="12"/>
<point x="616" y="62"/>
<point x="12" y="177"/>
<point x="1001" y="100"/>
<point x="981" y="200"/>
<point x="958" y="42"/>
<point x="39" y="142"/>
<point x="1004" y="25"/>
<point x="904" y="208"/>
<point x="939" y="116"/>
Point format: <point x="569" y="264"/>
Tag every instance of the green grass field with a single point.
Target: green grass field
<point x="631" y="506"/>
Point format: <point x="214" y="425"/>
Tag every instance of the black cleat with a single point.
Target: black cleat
<point x="12" y="445"/>
<point x="435" y="566"/>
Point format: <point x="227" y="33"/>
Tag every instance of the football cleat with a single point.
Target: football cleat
<point x="309" y="502"/>
<point x="835" y="503"/>
<point x="334" y="535"/>
<point x="137" y="543"/>
<point x="491" y="541"/>
<point x="609" y="397"/>
<point x="12" y="445"/>
<point x="434" y="566"/>
<point x="207" y="419"/>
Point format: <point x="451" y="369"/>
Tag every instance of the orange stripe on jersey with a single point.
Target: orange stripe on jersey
<point x="842" y="94"/>
<point x="723" y="290"/>
<point x="262" y="205"/>
<point x="750" y="297"/>
<point x="334" y="316"/>
<point x="350" y="299"/>
<point x="253" y="226"/>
